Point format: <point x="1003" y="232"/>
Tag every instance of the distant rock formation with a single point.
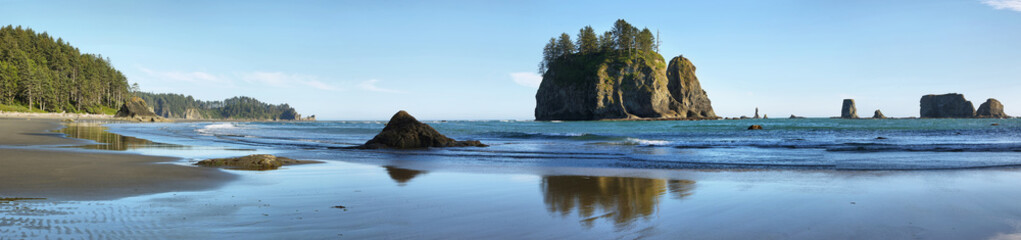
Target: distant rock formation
<point x="252" y="162"/>
<point x="405" y="132"/>
<point x="848" y="110"/>
<point x="992" y="108"/>
<point x="614" y="85"/>
<point x="136" y="109"/>
<point x="951" y="105"/>
<point x="878" y="114"/>
<point x="193" y="114"/>
<point x="756" y="113"/>
<point x="795" y="116"/>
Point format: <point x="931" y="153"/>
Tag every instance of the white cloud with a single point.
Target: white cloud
<point x="1014" y="5"/>
<point x="371" y="86"/>
<point x="527" y="79"/>
<point x="188" y="77"/>
<point x="279" y="79"/>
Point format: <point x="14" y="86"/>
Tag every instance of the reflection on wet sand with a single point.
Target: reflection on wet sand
<point x="109" y="141"/>
<point x="401" y="175"/>
<point x="622" y="199"/>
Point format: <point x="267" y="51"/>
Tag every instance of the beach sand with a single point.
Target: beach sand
<point x="31" y="171"/>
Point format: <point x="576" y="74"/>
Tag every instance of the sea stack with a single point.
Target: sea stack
<point x="756" y="113"/>
<point x="617" y="85"/>
<point x="405" y="132"/>
<point x="951" y="105"/>
<point x="848" y="110"/>
<point x="136" y="109"/>
<point x="992" y="108"/>
<point x="878" y="115"/>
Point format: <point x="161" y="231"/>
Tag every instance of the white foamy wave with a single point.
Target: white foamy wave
<point x="639" y="141"/>
<point x="209" y="129"/>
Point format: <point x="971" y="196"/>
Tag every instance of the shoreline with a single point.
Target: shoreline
<point x="34" y="169"/>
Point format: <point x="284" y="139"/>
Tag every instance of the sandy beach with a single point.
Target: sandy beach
<point x="31" y="170"/>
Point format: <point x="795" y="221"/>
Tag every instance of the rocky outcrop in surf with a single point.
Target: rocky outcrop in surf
<point x="618" y="85"/>
<point x="252" y="162"/>
<point x="405" y="132"/>
<point x="848" y="110"/>
<point x="951" y="105"/>
<point x="992" y="108"/>
<point x="878" y="114"/>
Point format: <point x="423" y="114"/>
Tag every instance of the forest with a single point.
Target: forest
<point x="172" y="105"/>
<point x="622" y="37"/>
<point x="40" y="73"/>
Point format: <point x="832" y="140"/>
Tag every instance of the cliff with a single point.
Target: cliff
<point x="616" y="85"/>
<point x="951" y="105"/>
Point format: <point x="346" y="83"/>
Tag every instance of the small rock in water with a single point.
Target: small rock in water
<point x="755" y="127"/>
<point x="881" y="138"/>
<point x="995" y="124"/>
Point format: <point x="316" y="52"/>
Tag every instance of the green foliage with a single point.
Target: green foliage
<point x="588" y="42"/>
<point x="176" y="105"/>
<point x="39" y="72"/>
<point x="622" y="38"/>
<point x="18" y="108"/>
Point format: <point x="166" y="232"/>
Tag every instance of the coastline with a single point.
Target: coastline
<point x="35" y="168"/>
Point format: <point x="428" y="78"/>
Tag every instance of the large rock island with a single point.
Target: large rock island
<point x="951" y="105"/>
<point x="613" y="85"/>
<point x="619" y="75"/>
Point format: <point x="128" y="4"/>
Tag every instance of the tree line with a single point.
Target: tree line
<point x="40" y="72"/>
<point x="621" y="37"/>
<point x="173" y="105"/>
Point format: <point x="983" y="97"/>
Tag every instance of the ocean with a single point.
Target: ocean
<point x="833" y="144"/>
<point x="797" y="179"/>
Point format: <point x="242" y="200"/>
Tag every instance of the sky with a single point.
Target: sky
<point x="365" y="60"/>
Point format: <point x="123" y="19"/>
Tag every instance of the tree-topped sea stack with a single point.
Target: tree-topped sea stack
<point x="618" y="75"/>
<point x="405" y="132"/>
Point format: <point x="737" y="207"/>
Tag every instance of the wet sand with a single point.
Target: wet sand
<point x="31" y="170"/>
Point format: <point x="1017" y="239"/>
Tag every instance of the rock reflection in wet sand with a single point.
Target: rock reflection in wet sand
<point x="401" y="175"/>
<point x="622" y="199"/>
<point x="109" y="141"/>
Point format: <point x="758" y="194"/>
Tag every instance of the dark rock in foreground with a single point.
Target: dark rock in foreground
<point x="878" y="114"/>
<point x="755" y="127"/>
<point x="992" y="108"/>
<point x="252" y="162"/>
<point x="848" y="110"/>
<point x="405" y="132"/>
<point x="951" y="105"/>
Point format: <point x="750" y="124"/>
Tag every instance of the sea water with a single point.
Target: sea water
<point x="910" y="178"/>
<point x="838" y="144"/>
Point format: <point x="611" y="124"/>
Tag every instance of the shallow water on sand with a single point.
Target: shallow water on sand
<point x="552" y="188"/>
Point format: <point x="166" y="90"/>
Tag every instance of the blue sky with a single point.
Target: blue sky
<point x="477" y="59"/>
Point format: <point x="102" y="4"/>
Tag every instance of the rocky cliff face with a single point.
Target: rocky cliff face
<point x="848" y="110"/>
<point x="951" y="105"/>
<point x="193" y="114"/>
<point x="616" y="86"/>
<point x="992" y="108"/>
